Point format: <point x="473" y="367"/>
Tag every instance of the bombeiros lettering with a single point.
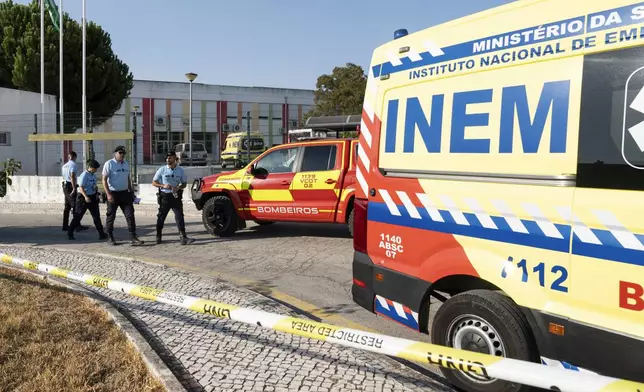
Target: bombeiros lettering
<point x="287" y="210"/>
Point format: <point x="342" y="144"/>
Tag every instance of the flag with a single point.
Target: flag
<point x="52" y="9"/>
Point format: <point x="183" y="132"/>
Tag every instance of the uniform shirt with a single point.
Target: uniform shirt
<point x="68" y="169"/>
<point x="87" y="181"/>
<point x="168" y="175"/>
<point x="117" y="175"/>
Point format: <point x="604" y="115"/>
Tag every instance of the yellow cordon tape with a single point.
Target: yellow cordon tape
<point x="527" y="373"/>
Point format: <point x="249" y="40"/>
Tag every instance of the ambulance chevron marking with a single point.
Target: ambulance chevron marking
<point x="411" y="208"/>
<point x="621" y="234"/>
<point x="362" y="181"/>
<point x="433" y="49"/>
<point x="513" y="221"/>
<point x="362" y="155"/>
<point x="548" y="228"/>
<point x="399" y="309"/>
<point x="366" y="106"/>
<point x="396" y="311"/>
<point x="453" y="210"/>
<point x="433" y="212"/>
<point x="485" y="219"/>
<point x="372" y="86"/>
<point x="366" y="133"/>
<point x="393" y="208"/>
<point x="579" y="228"/>
<point x="393" y="59"/>
<point x="414" y="56"/>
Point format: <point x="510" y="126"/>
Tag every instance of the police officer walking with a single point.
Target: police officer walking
<point x="69" y="173"/>
<point x="171" y="180"/>
<point x="120" y="194"/>
<point x="87" y="199"/>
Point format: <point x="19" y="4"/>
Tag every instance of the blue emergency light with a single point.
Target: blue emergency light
<point x="400" y="33"/>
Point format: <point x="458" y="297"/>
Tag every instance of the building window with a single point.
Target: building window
<point x="5" y="139"/>
<point x="611" y="136"/>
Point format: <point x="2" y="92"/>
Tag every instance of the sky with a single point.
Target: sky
<point x="269" y="43"/>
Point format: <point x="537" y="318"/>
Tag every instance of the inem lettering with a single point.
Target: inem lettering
<point x="468" y="113"/>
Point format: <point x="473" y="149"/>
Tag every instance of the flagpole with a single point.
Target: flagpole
<point x="60" y="29"/>
<point x="42" y="66"/>
<point x="84" y="81"/>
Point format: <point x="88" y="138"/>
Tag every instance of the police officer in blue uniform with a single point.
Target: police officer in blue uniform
<point x="171" y="180"/>
<point x="87" y="199"/>
<point x="120" y="194"/>
<point x="70" y="173"/>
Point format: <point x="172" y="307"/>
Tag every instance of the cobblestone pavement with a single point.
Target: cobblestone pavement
<point x="209" y="354"/>
<point x="310" y="264"/>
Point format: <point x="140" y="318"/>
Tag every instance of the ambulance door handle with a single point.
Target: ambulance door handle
<point x="285" y="182"/>
<point x="330" y="181"/>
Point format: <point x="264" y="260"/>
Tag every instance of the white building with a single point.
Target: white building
<point x="18" y="110"/>
<point x="163" y="117"/>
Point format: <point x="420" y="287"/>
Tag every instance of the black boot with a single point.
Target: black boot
<point x="158" y="236"/>
<point x="110" y="239"/>
<point x="184" y="238"/>
<point x="135" y="241"/>
<point x="102" y="235"/>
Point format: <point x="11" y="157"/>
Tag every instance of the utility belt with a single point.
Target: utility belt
<point x="169" y="196"/>
<point x="67" y="185"/>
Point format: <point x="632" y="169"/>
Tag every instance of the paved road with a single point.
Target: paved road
<point x="209" y="354"/>
<point x="307" y="266"/>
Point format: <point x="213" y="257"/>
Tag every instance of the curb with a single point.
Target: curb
<point x="153" y="362"/>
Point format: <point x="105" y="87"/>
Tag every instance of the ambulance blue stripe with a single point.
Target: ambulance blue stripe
<point x="609" y="249"/>
<point x="536" y="238"/>
<point x="466" y="49"/>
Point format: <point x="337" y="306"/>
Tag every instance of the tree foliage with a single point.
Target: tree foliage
<point x="9" y="168"/>
<point x="109" y="80"/>
<point x="341" y="92"/>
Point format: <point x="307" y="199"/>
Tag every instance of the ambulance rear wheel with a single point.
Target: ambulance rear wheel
<point x="487" y="322"/>
<point x="219" y="216"/>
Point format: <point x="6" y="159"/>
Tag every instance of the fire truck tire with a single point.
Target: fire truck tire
<point x="487" y="322"/>
<point x="350" y="222"/>
<point x="219" y="216"/>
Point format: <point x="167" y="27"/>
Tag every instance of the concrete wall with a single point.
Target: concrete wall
<point x="48" y="189"/>
<point x="17" y="110"/>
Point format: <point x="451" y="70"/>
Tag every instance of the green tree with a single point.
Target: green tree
<point x="9" y="168"/>
<point x="340" y="93"/>
<point x="109" y="80"/>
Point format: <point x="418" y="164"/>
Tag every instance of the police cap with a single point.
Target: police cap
<point x="119" y="149"/>
<point x="94" y="164"/>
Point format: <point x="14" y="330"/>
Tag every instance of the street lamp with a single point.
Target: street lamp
<point x="191" y="76"/>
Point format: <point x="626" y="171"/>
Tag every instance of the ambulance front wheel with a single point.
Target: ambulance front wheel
<point x="219" y="217"/>
<point x="487" y="322"/>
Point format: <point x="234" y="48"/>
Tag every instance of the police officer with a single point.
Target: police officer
<point x="87" y="199"/>
<point x="69" y="173"/>
<point x="120" y="194"/>
<point x="171" y="180"/>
